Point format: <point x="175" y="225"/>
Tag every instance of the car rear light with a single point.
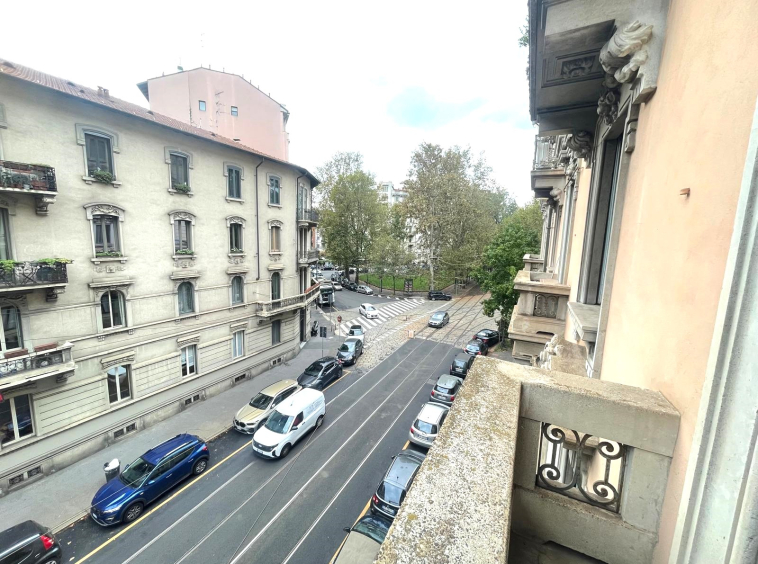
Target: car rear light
<point x="375" y="499"/>
<point x="411" y="430"/>
<point x="478" y="352"/>
<point x="205" y="448"/>
<point x="452" y="398"/>
<point x="47" y="542"/>
<point x="434" y="393"/>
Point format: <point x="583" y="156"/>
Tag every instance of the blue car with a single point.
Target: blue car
<point x="123" y="499"/>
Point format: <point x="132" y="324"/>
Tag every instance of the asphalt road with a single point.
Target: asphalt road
<point x="245" y="509"/>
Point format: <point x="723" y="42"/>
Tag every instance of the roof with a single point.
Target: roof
<point x="277" y="387"/>
<point x="154" y="455"/>
<point x="402" y="468"/>
<point x="448" y="381"/>
<point x="293" y="404"/>
<point x="102" y="98"/>
<point x="430" y="412"/>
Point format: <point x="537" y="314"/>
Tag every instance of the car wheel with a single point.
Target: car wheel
<point x="319" y="421"/>
<point x="200" y="466"/>
<point x="52" y="561"/>
<point x="285" y="451"/>
<point x="133" y="512"/>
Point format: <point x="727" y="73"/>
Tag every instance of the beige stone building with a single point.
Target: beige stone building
<point x="633" y="439"/>
<point x="186" y="268"/>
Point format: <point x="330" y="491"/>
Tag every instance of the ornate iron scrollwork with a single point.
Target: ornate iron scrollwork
<point x="545" y="306"/>
<point x="571" y="479"/>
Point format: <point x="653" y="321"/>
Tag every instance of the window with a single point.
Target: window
<point x="182" y="235"/>
<point x="276" y="237"/>
<point x="112" y="309"/>
<point x="5" y="236"/>
<point x="10" y="337"/>
<point x="274" y="189"/>
<point x="119" y="387"/>
<point x="99" y="156"/>
<point x="235" y="238"/>
<point x="238" y="344"/>
<point x="15" y="419"/>
<point x="276" y="332"/>
<point x="179" y="170"/>
<point x="189" y="360"/>
<point x="201" y="103"/>
<point x="105" y="230"/>
<point x="235" y="112"/>
<point x="238" y="286"/>
<point x="186" y="298"/>
<point x="234" y="183"/>
<point x="276" y="286"/>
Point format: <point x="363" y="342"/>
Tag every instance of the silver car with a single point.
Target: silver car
<point x="428" y="423"/>
<point x="439" y="319"/>
<point x="364" y="290"/>
<point x="446" y="389"/>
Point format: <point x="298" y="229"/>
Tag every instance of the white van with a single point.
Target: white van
<point x="289" y="422"/>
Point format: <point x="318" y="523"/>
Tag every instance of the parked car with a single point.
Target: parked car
<point x="349" y="351"/>
<point x="352" y="286"/>
<point x="396" y="483"/>
<point x="427" y="424"/>
<point x="29" y="543"/>
<point x="439" y="319"/>
<point x="363" y="289"/>
<point x="364" y="540"/>
<point x="123" y="499"/>
<point x="445" y="389"/>
<point x="476" y="347"/>
<point x="337" y="286"/>
<point x="437" y="295"/>
<point x="368" y="311"/>
<point x="461" y="364"/>
<point x="356" y="331"/>
<point x="250" y="418"/>
<point x="320" y="373"/>
<point x="489" y="337"/>
<point x="289" y="423"/>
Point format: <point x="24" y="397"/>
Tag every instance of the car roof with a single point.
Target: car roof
<point x="439" y="313"/>
<point x="351" y="340"/>
<point x="448" y="381"/>
<point x="155" y="454"/>
<point x="431" y="412"/>
<point x="18" y="535"/>
<point x="277" y="387"/>
<point x="476" y="342"/>
<point x="356" y="327"/>
<point x="403" y="467"/>
<point x="462" y="357"/>
<point x="486" y="331"/>
<point x="296" y="402"/>
<point x="367" y="305"/>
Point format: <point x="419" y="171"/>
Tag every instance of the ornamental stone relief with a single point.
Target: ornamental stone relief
<point x="109" y="268"/>
<point x="236" y="260"/>
<point x="184" y="263"/>
<point x="575" y="68"/>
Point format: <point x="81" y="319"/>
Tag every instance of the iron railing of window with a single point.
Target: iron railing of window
<point x="307" y="215"/>
<point x="27" y="176"/>
<point x="34" y="360"/>
<point x="33" y="274"/>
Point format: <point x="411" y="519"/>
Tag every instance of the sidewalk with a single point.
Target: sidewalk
<point x="62" y="498"/>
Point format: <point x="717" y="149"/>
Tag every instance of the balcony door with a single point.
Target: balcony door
<point x="5" y="236"/>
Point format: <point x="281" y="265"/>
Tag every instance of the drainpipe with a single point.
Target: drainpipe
<point x="257" y="224"/>
<point x="297" y="227"/>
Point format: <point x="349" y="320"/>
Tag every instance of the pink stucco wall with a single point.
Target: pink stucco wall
<point x="259" y="123"/>
<point x="673" y="249"/>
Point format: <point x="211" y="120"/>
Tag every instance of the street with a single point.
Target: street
<point x="245" y="509"/>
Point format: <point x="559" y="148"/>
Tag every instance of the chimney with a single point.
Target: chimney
<point x="103" y="92"/>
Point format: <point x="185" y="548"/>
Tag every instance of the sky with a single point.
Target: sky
<point x="377" y="78"/>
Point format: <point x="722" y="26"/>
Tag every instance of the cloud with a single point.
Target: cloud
<point x="415" y="107"/>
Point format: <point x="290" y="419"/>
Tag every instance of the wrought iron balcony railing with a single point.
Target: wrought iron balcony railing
<point x="310" y="216"/>
<point x="32" y="273"/>
<point x="21" y="176"/>
<point x="56" y="361"/>
<point x="549" y="151"/>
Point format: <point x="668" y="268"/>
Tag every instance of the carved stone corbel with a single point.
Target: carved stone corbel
<point x="624" y="53"/>
<point x="580" y="144"/>
<point x="608" y="103"/>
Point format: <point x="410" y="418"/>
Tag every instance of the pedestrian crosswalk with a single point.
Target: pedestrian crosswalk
<point x="386" y="312"/>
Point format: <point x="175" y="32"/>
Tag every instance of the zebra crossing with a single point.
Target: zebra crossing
<point x="386" y="312"/>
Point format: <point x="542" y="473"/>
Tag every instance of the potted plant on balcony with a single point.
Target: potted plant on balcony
<point x="236" y="251"/>
<point x="183" y="188"/>
<point x="103" y="176"/>
<point x="100" y="254"/>
<point x="185" y="252"/>
<point x="48" y="267"/>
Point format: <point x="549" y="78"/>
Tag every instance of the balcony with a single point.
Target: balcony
<point x="534" y="262"/>
<point x="15" y="276"/>
<point x="307" y="257"/>
<point x="548" y="168"/>
<point x="539" y="314"/>
<point x="534" y="467"/>
<point x="33" y="179"/>
<point x="45" y="361"/>
<point x="307" y="217"/>
<point x="273" y="307"/>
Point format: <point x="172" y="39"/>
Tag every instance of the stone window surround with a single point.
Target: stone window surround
<point x="232" y="276"/>
<point x="185" y="215"/>
<point x="241" y="221"/>
<point x="125" y="359"/>
<point x="269" y="176"/>
<point x="179" y="277"/>
<point x="10" y="394"/>
<point x="167" y="152"/>
<point x="103" y="208"/>
<point x="227" y="166"/>
<point x="99" y="287"/>
<point x="271" y="224"/>
<point x="81" y="130"/>
<point x="9" y="203"/>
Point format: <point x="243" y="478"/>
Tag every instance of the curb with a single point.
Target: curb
<point x="67" y="523"/>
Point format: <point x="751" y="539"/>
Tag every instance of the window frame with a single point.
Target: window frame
<point x="178" y="216"/>
<point x="238" y="344"/>
<point x="14" y="420"/>
<point x="103" y="221"/>
<point x="193" y="296"/>
<point x="270" y="178"/>
<point x="19" y="330"/>
<point x="276" y="332"/>
<point x="278" y="277"/>
<point x="272" y="238"/>
<point x="91" y="136"/>
<point x="168" y="152"/>
<point x="98" y="209"/>
<point x="122" y="302"/>
<point x="235" y="220"/>
<point x="231" y="290"/>
<point x="241" y="169"/>
<point x="235" y="111"/>
<point x="201" y="105"/>
<point x="184" y="359"/>
<point x="82" y="130"/>
<point x="120" y="400"/>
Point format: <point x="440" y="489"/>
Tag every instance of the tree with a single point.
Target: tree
<point x="504" y="257"/>
<point x="390" y="257"/>
<point x="340" y="165"/>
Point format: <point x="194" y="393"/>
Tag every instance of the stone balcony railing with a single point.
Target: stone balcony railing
<point x="34" y="179"/>
<point x="534" y="263"/>
<point x="306" y="257"/>
<point x="21" y="366"/>
<point x="533" y="467"/>
<point x="539" y="314"/>
<point x="273" y="307"/>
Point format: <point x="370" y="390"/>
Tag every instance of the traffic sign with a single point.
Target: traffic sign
<point x="322" y="331"/>
<point x="339" y="319"/>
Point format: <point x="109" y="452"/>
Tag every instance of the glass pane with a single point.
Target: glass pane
<point x="117" y="308"/>
<point x="112" y="388"/>
<point x="5" y="252"/>
<point x="105" y="310"/>
<point x="178" y="169"/>
<point x="23" y="416"/>
<point x="275" y="286"/>
<point x="237" y="290"/>
<point x="97" y="225"/>
<point x="11" y="327"/>
<point x="6" y="422"/>
<point x="186" y="304"/>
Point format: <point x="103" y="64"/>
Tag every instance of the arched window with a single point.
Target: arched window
<point x="186" y="298"/>
<point x="237" y="290"/>
<point x="10" y="335"/>
<point x="276" y="286"/>
<point x="113" y="309"/>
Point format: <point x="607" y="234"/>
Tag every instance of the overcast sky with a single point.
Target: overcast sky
<point x="378" y="79"/>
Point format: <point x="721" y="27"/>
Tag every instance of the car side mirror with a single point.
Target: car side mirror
<point x="393" y="456"/>
<point x="295" y="427"/>
<point x="150" y="482"/>
<point x="346" y="529"/>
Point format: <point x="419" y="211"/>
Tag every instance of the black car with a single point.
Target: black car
<point x="396" y="483"/>
<point x="352" y="286"/>
<point x="437" y="295"/>
<point x="488" y="336"/>
<point x="462" y="363"/>
<point x="476" y="347"/>
<point x="349" y="351"/>
<point x="29" y="543"/>
<point x="321" y="373"/>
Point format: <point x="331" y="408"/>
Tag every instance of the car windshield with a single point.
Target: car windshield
<point x="278" y="423"/>
<point x="473" y="345"/>
<point x="391" y="493"/>
<point x="438" y="316"/>
<point x="370" y="308"/>
<point x="371" y="529"/>
<point x="261" y="401"/>
<point x="347" y="347"/>
<point x="459" y="363"/>
<point x="425" y="427"/>
<point x="356" y="331"/>
<point x="314" y="369"/>
<point x="136" y="472"/>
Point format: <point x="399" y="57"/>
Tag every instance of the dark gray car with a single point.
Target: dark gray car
<point x="29" y="543"/>
<point x="446" y="389"/>
<point x="396" y="483"/>
<point x="439" y="319"/>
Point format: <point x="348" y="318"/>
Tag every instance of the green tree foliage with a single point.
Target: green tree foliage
<point x="340" y="165"/>
<point x="390" y="257"/>
<point x="519" y="234"/>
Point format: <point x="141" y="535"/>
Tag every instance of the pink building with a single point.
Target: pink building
<point x="222" y="103"/>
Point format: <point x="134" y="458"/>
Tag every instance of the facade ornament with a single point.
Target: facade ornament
<point x="184" y="263"/>
<point x="124" y="358"/>
<point x="580" y="144"/>
<point x="630" y="128"/>
<point x="110" y="268"/>
<point x="41" y="204"/>
<point x="181" y="215"/>
<point x="235" y="219"/>
<point x="275" y="223"/>
<point x="236" y="259"/>
<point x="625" y="52"/>
<point x="608" y="103"/>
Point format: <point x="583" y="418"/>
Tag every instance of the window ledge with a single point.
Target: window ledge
<point x="239" y="255"/>
<point x="238" y="200"/>
<point x="277" y="253"/>
<point x="90" y="180"/>
<point x="188" y="194"/>
<point x="585" y="318"/>
<point x="193" y="256"/>
<point x="98" y="260"/>
<point x="274" y="205"/>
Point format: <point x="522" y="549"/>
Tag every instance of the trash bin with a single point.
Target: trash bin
<point x="411" y="333"/>
<point x="112" y="469"/>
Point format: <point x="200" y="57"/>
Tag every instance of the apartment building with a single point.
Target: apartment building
<point x="145" y="265"/>
<point x="632" y="440"/>
<point x="389" y="195"/>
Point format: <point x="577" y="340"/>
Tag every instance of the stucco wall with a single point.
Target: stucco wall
<point x="672" y="251"/>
